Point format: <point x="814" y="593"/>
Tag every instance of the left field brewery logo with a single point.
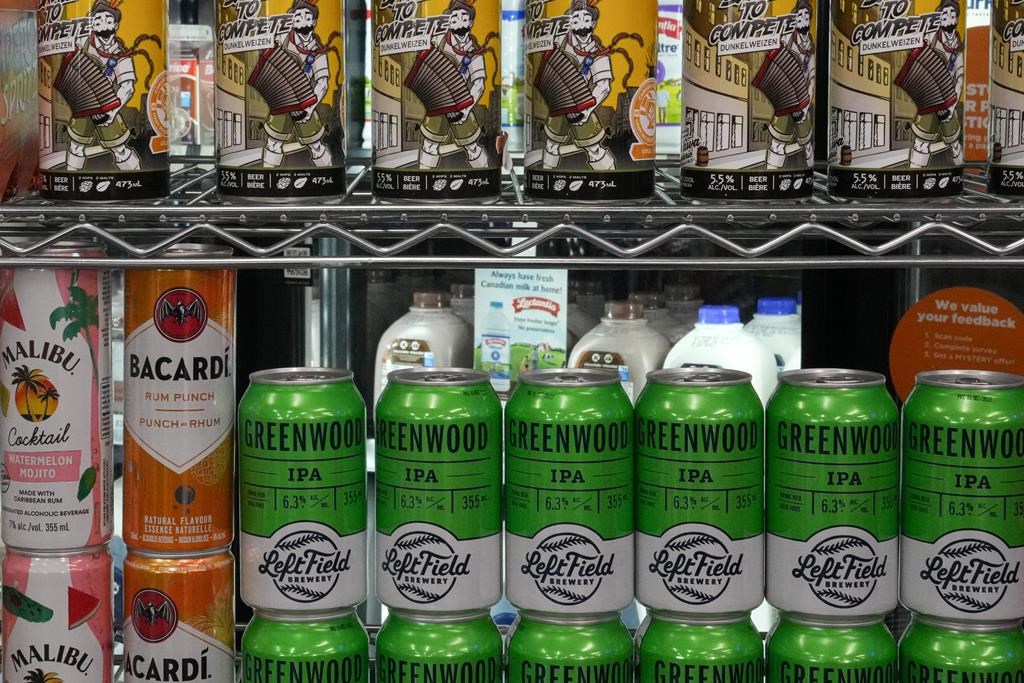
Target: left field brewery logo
<point x="695" y="567"/>
<point x="180" y="314"/>
<point x="567" y="568"/>
<point x="842" y="571"/>
<point x="971" y="574"/>
<point x="423" y="566"/>
<point x="305" y="565"/>
<point x="154" y="615"/>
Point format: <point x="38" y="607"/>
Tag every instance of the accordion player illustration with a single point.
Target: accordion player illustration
<point x="786" y="78"/>
<point x="933" y="77"/>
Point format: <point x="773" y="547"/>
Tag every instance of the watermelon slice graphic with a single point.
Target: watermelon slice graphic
<point x="20" y="605"/>
<point x="81" y="607"/>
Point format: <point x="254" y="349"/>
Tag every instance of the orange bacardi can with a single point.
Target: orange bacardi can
<point x="179" y="405"/>
<point x="179" y="617"/>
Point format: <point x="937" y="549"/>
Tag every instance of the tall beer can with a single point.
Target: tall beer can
<point x="1006" y="98"/>
<point x="58" y="470"/>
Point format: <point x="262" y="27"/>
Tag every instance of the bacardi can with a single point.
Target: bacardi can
<point x="179" y="405"/>
<point x="179" y="617"/>
<point x="302" y="490"/>
<point x="438" y="454"/>
<point x="709" y="648"/>
<point x="280" y="99"/>
<point x="331" y="647"/>
<point x="962" y="543"/>
<point x="413" y="647"/>
<point x="700" y="505"/>
<point x="569" y="492"/>
<point x="58" y="470"/>
<point x="437" y="99"/>
<point x="806" y="650"/>
<point x="832" y="493"/>
<point x="1005" y="98"/>
<point x="103" y="110"/>
<point x="544" y="648"/>
<point x="934" y="650"/>
<point x="57" y="618"/>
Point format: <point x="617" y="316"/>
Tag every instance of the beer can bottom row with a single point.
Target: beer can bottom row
<point x="414" y="646"/>
<point x="321" y="647"/>
<point x="941" y="650"/>
<point x="707" y="648"/>
<point x="549" y="647"/>
<point x="804" y="649"/>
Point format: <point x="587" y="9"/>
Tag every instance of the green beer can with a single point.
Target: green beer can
<point x="304" y="648"/>
<point x="302" y="490"/>
<point x="832" y="493"/>
<point x="417" y="647"/>
<point x="815" y="650"/>
<point x="545" y="648"/>
<point x="569" y="492"/>
<point x="707" y="649"/>
<point x="438" y="450"/>
<point x="700" y="504"/>
<point x="939" y="651"/>
<point x="962" y="542"/>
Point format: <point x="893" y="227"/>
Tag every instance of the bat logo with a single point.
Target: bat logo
<point x="154" y="615"/>
<point x="180" y="314"/>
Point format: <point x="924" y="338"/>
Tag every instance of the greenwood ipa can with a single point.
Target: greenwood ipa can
<point x="897" y="98"/>
<point x="414" y="647"/>
<point x="179" y="617"/>
<point x="179" y="405"/>
<point x="103" y="110"/>
<point x="57" y="618"/>
<point x="700" y="506"/>
<point x="331" y="647"/>
<point x="709" y="648"/>
<point x="962" y="544"/>
<point x="803" y="650"/>
<point x="58" y="470"/>
<point x="438" y="454"/>
<point x="437" y="99"/>
<point x="1006" y="98"/>
<point x="302" y="490"/>
<point x="280" y="99"/>
<point x="569" y="492"/>
<point x="590" y="111"/>
<point x="937" y="650"/>
<point x="544" y="648"/>
<point x="832" y="493"/>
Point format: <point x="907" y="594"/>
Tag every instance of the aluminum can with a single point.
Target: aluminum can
<point x="179" y="617"/>
<point x="673" y="648"/>
<point x="413" y="647"/>
<point x="278" y="648"/>
<point x="280" y="99"/>
<point x="57" y="617"/>
<point x="179" y="405"/>
<point x="590" y="110"/>
<point x="700" y="500"/>
<point x="437" y="99"/>
<point x="544" y="648"/>
<point x="937" y="650"/>
<point x="749" y="109"/>
<point x="103" y="110"/>
<point x="58" y="469"/>
<point x="808" y="650"/>
<point x="438" y="455"/>
<point x="1005" y="98"/>
<point x="897" y="99"/>
<point x="832" y="493"/>
<point x="302" y="490"/>
<point x="569" y="492"/>
<point x="962" y="542"/>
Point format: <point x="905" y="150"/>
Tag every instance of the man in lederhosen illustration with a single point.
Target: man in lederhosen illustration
<point x="459" y="45"/>
<point x="942" y="128"/>
<point x="791" y="132"/>
<point x="583" y="128"/>
<point x="305" y="125"/>
<point x="107" y="129"/>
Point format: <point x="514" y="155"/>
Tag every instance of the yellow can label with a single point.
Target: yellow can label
<point x="1006" y="98"/>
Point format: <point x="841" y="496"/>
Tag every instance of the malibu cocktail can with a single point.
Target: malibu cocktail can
<point x="544" y="648"/>
<point x="803" y="649"/>
<point x="414" y="647"/>
<point x="937" y="650"/>
<point x="705" y="649"/>
<point x="278" y="648"/>
<point x="700" y="505"/>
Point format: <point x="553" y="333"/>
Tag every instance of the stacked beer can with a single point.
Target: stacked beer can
<point x="179" y="405"/>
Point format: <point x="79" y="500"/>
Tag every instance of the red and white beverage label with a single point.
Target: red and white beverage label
<point x="57" y="471"/>
<point x="57" y="619"/>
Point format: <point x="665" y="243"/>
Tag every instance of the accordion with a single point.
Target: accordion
<point x="926" y="78"/>
<point x="279" y="79"/>
<point x="80" y="81"/>
<point x="782" y="80"/>
<point x="436" y="81"/>
<point x="561" y="84"/>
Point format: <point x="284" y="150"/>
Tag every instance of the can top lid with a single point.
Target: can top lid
<point x="718" y="315"/>
<point x="650" y="300"/>
<point x="438" y="617"/>
<point x="831" y="377"/>
<point x="970" y="379"/>
<point x="71" y="248"/>
<point x="700" y="619"/>
<point x="430" y="300"/>
<point x="698" y="377"/>
<point x="624" y="310"/>
<point x="195" y="250"/>
<point x="301" y="376"/>
<point x="571" y="619"/>
<point x="303" y="617"/>
<point x="569" y="377"/>
<point x="837" y="621"/>
<point x="970" y="626"/>
<point x="776" y="305"/>
<point x="438" y="377"/>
